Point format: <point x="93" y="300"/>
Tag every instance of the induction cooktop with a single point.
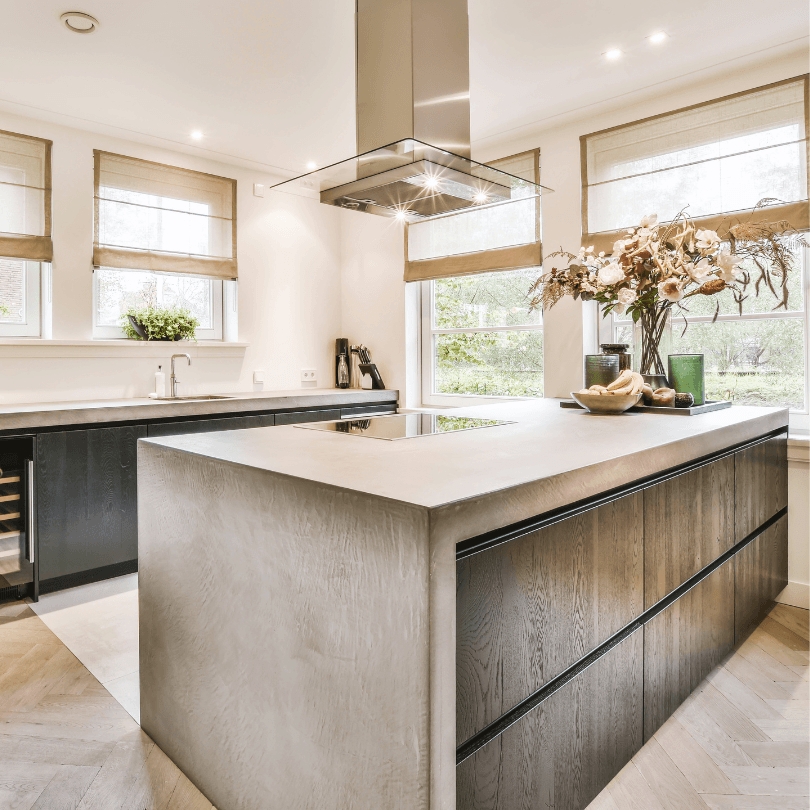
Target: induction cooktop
<point x="403" y="426"/>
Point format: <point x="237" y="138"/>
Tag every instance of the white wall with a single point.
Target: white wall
<point x="379" y="309"/>
<point x="289" y="287"/>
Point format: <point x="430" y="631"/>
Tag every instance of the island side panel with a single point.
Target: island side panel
<point x="284" y="636"/>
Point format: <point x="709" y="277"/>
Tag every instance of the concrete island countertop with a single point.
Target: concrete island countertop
<point x="548" y="458"/>
<point x="27" y="416"/>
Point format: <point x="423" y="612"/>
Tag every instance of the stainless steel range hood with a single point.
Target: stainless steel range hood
<point x="413" y="119"/>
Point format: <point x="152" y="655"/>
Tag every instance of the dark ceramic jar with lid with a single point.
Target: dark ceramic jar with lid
<point x="620" y="349"/>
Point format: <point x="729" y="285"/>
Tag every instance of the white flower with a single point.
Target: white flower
<point x="618" y="247"/>
<point x="698" y="271"/>
<point x="727" y="266"/>
<point x="619" y="309"/>
<point x="611" y="274"/>
<point x="670" y="289"/>
<point x="626" y="297"/>
<point x="650" y="221"/>
<point x="706" y="240"/>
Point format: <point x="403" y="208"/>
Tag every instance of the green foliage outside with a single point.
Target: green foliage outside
<point x="487" y="363"/>
<point x="5" y="310"/>
<point x="160" y="323"/>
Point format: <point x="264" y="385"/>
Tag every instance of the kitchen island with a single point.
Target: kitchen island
<point x="493" y="618"/>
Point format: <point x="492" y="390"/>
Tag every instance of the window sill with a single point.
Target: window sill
<point x="37" y="347"/>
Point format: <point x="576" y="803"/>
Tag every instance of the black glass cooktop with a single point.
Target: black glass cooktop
<point x="403" y="426"/>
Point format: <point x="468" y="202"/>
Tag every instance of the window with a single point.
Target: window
<point x="118" y="290"/>
<point x="164" y="236"/>
<point x="479" y="339"/>
<point x="25" y="231"/>
<point x="718" y="158"/>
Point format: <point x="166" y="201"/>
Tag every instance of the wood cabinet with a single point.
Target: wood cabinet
<point x="684" y="642"/>
<point x="760" y="573"/>
<point x="761" y="484"/>
<point x="295" y="417"/>
<point x="530" y="608"/>
<point x="562" y="753"/>
<point x="210" y="425"/>
<point x="86" y="499"/>
<point x="688" y="523"/>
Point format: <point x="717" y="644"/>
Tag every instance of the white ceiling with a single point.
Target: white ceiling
<point x="272" y="81"/>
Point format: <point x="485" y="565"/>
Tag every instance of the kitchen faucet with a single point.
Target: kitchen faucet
<point x="173" y="379"/>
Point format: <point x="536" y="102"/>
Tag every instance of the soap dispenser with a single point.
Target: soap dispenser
<point x="160" y="383"/>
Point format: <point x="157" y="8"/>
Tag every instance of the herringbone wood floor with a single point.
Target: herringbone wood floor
<point x="740" y="741"/>
<point x="65" y="742"/>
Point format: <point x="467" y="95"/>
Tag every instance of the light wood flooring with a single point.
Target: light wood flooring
<point x="740" y="741"/>
<point x="65" y="742"/>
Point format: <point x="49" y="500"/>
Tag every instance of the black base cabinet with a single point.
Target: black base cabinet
<point x="562" y="753"/>
<point x="87" y="504"/>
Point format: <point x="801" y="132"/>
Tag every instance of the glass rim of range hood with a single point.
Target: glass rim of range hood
<point x="412" y="181"/>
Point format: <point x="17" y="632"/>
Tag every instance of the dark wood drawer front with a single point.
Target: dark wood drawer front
<point x="562" y="753"/>
<point x="210" y="425"/>
<point x="761" y="473"/>
<point x="761" y="572"/>
<point x="688" y="523"/>
<point x="87" y="499"/>
<point x="307" y="416"/>
<point x="532" y="607"/>
<point x="683" y="643"/>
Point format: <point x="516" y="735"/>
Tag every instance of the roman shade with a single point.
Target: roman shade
<point x="149" y="216"/>
<point x="25" y="197"/>
<point x="485" y="239"/>
<point x="718" y="158"/>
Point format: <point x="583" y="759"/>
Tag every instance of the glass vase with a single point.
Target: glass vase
<point x="653" y="323"/>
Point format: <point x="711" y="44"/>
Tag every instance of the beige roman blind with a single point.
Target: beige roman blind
<point x="481" y="240"/>
<point x="718" y="158"/>
<point x="149" y="216"/>
<point x="25" y="198"/>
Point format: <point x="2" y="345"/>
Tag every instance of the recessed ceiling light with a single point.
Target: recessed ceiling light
<point x="196" y="135"/>
<point x="657" y="38"/>
<point x="401" y="215"/>
<point x="612" y="54"/>
<point x="431" y="182"/>
<point x="481" y="197"/>
<point x="79" y="22"/>
<point x="311" y="166"/>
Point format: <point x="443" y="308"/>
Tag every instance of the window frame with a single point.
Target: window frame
<point x="32" y="327"/>
<point x="427" y="370"/>
<point x="106" y="332"/>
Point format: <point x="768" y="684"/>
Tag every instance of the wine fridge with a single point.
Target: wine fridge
<point x="17" y="519"/>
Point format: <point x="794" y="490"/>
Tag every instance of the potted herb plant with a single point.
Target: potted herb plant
<point x="159" y="323"/>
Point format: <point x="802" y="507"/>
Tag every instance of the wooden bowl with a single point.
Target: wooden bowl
<point x="606" y="403"/>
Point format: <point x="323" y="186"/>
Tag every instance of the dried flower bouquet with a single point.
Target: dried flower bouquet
<point x="656" y="267"/>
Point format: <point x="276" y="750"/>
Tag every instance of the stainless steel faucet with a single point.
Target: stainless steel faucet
<point x="173" y="379"/>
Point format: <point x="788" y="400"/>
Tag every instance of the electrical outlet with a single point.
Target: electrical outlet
<point x="258" y="189"/>
<point x="258" y="376"/>
<point x="308" y="375"/>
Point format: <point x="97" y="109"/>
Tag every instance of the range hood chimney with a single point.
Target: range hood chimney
<point x="413" y="119"/>
<point x="413" y="73"/>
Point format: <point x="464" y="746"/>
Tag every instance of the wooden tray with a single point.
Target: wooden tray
<point x="694" y="410"/>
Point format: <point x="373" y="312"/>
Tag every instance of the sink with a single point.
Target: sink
<point x="191" y="399"/>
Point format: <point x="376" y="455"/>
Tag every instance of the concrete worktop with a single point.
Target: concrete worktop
<point x="28" y="416"/>
<point x="574" y="453"/>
